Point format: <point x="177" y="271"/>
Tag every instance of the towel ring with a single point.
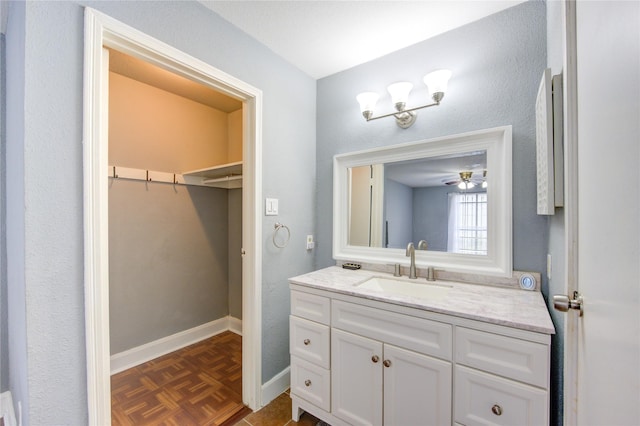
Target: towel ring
<point x="278" y="226"/>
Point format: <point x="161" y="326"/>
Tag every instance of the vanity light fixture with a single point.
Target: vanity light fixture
<point x="436" y="83"/>
<point x="484" y="180"/>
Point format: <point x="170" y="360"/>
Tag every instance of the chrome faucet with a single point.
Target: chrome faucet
<point x="411" y="253"/>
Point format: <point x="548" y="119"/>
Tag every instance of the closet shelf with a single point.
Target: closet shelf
<point x="227" y="176"/>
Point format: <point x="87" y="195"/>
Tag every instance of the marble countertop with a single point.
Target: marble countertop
<point x="515" y="308"/>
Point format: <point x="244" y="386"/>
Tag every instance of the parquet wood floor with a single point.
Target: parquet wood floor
<point x="197" y="385"/>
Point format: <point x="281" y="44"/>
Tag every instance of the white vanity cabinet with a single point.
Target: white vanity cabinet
<point x="358" y="361"/>
<point x="393" y="386"/>
<point x="376" y="379"/>
<point x="309" y="348"/>
<point x="500" y="380"/>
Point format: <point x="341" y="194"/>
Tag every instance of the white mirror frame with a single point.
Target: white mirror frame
<point x="497" y="142"/>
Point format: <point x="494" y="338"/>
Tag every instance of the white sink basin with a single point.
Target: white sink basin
<point x="420" y="289"/>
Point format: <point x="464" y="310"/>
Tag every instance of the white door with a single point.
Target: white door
<point x="366" y="203"/>
<point x="360" y="206"/>
<point x="604" y="344"/>
<point x="356" y="378"/>
<point x="417" y="388"/>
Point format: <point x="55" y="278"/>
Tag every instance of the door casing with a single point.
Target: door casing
<point x="104" y="31"/>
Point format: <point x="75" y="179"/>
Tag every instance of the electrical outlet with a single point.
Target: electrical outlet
<point x="310" y="243"/>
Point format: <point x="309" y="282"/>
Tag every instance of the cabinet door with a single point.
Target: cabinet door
<point x="356" y="378"/>
<point x="417" y="388"/>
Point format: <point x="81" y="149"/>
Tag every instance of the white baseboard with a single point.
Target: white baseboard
<point x="235" y="325"/>
<point x="141" y="354"/>
<point x="274" y="387"/>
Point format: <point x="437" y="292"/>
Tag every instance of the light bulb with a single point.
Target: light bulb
<point x="367" y="102"/>
<point x="400" y="94"/>
<point x="436" y="82"/>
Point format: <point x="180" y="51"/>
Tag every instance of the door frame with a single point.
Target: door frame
<point x="102" y="30"/>
<point x="570" y="136"/>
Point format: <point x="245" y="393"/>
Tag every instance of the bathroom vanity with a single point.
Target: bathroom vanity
<point x="370" y="348"/>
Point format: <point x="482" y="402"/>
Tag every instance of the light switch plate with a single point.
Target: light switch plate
<point x="271" y="207"/>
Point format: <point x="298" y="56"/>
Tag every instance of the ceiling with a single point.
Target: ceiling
<point x="147" y="73"/>
<point x="325" y="37"/>
<point x="442" y="170"/>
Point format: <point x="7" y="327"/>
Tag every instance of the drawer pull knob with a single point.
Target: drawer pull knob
<point x="306" y="342"/>
<point x="375" y="358"/>
<point x="386" y="363"/>
<point x="307" y="383"/>
<point x="497" y="410"/>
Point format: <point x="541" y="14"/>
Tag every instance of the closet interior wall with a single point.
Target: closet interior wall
<point x="174" y="250"/>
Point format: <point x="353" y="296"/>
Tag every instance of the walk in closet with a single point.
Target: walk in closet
<point x="175" y="209"/>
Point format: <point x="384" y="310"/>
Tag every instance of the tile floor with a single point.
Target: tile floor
<point x="277" y="413"/>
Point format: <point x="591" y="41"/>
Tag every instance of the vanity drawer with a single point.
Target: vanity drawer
<point x="418" y="334"/>
<point x="482" y="399"/>
<point x="309" y="340"/>
<point x="311" y="383"/>
<point x="310" y="306"/>
<point x="513" y="358"/>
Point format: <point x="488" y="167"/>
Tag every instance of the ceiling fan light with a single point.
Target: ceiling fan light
<point x="465" y="184"/>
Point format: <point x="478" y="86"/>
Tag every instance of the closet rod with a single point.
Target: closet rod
<point x="222" y="179"/>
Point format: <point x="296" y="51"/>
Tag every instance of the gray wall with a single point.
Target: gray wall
<point x="45" y="198"/>
<point x="496" y="62"/>
<point x="168" y="260"/>
<point x="556" y="223"/>
<point x="431" y="216"/>
<point x="398" y="212"/>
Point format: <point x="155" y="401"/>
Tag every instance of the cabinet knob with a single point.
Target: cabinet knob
<point x="375" y="358"/>
<point x="306" y="342"/>
<point x="497" y="410"/>
<point x="386" y="363"/>
<point x="307" y="383"/>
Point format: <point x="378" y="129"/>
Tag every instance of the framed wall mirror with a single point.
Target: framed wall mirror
<point x="453" y="192"/>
